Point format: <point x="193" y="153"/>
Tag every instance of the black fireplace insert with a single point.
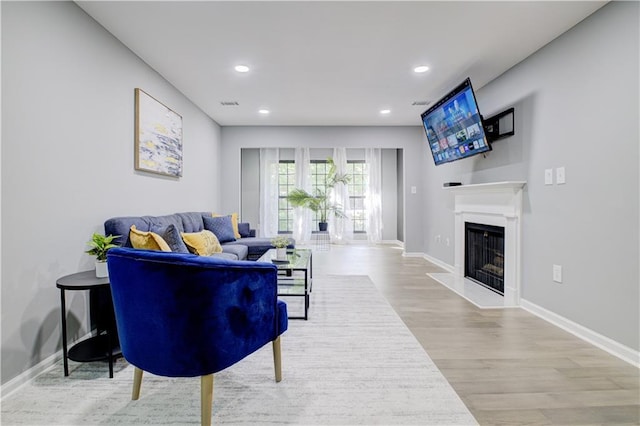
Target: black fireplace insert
<point x="484" y="255"/>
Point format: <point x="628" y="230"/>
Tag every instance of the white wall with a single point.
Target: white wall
<point x="576" y="106"/>
<point x="67" y="164"/>
<point x="409" y="139"/>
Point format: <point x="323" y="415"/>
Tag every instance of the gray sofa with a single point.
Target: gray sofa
<point x="248" y="247"/>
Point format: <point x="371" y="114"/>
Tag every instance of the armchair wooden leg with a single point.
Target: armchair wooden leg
<point x="206" y="399"/>
<point x="137" y="382"/>
<point x="277" y="359"/>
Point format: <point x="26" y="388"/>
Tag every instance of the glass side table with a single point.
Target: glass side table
<point x="295" y="275"/>
<point x="104" y="345"/>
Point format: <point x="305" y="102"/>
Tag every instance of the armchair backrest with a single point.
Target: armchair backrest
<point x="182" y="315"/>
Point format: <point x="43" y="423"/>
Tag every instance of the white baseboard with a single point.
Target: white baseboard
<point x="393" y="242"/>
<point x="407" y="254"/>
<point x="17" y="382"/>
<point x="28" y="375"/>
<point x="619" y="350"/>
<point x="439" y="263"/>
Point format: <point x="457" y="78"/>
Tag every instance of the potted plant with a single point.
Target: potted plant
<point x="100" y="245"/>
<point x="320" y="201"/>
<point x="280" y="243"/>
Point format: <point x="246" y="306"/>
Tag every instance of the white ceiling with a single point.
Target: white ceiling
<point x="331" y="63"/>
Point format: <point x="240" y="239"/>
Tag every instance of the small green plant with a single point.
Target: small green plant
<point x="280" y="242"/>
<point x="100" y="245"/>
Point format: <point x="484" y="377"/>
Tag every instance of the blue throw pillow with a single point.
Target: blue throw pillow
<point x="221" y="226"/>
<point x="173" y="238"/>
<point x="244" y="229"/>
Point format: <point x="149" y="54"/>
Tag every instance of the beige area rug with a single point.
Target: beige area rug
<point x="353" y="362"/>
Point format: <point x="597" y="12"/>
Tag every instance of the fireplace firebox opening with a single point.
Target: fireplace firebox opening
<point x="484" y="255"/>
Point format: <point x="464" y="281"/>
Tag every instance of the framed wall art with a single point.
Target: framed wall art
<point x="158" y="137"/>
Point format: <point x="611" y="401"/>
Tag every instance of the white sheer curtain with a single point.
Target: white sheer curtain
<point x="341" y="229"/>
<point x="302" y="215"/>
<point x="373" y="199"/>
<point x="269" y="164"/>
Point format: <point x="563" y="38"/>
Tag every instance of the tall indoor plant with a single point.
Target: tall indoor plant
<point x="320" y="201"/>
<point x="100" y="245"/>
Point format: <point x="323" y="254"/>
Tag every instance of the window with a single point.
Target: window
<point x="357" y="190"/>
<point x="357" y="194"/>
<point x="286" y="182"/>
<point x="357" y="169"/>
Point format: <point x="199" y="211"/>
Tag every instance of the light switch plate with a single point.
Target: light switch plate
<point x="557" y="273"/>
<point x="560" y="176"/>
<point x="414" y="190"/>
<point x="548" y="176"/>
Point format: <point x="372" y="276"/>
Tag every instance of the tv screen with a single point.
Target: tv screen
<point x="454" y="126"/>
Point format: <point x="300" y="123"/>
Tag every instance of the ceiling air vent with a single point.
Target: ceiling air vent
<point x="229" y="103"/>
<point x="421" y="103"/>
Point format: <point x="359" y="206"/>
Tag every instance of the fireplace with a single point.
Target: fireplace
<point x="484" y="255"/>
<point x="490" y="205"/>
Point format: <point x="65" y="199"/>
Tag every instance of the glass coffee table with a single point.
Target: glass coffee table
<point x="295" y="275"/>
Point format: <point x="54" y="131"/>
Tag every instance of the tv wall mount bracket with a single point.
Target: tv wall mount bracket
<point x="500" y="125"/>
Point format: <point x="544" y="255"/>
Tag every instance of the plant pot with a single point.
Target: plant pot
<point x="101" y="270"/>
<point x="322" y="226"/>
<point x="281" y="253"/>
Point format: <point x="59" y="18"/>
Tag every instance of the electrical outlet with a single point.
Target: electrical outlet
<point x="560" y="177"/>
<point x="414" y="190"/>
<point x="438" y="238"/>
<point x="548" y="176"/>
<point x="557" y="273"/>
<point x="448" y="242"/>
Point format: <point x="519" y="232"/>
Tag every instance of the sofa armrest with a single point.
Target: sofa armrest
<point x="244" y="228"/>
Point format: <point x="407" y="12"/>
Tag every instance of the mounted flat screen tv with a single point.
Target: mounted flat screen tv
<point x="454" y="126"/>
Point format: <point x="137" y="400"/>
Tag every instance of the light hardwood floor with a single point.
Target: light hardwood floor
<point x="508" y="366"/>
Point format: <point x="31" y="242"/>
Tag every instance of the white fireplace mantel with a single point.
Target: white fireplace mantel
<point x="497" y="204"/>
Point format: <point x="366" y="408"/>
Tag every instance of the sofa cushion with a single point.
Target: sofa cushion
<point x="172" y="236"/>
<point x="191" y="221"/>
<point x="164" y="221"/>
<point x="238" y="249"/>
<point x="121" y="226"/>
<point x="227" y="256"/>
<point x="203" y="243"/>
<point x="244" y="229"/>
<point x="147" y="240"/>
<point x="221" y="226"/>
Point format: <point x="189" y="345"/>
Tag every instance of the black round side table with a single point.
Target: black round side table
<point x="104" y="345"/>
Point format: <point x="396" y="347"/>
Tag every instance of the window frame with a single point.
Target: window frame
<point x="291" y="177"/>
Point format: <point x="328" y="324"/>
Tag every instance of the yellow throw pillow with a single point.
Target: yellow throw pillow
<point x="234" y="223"/>
<point x="147" y="240"/>
<point x="203" y="243"/>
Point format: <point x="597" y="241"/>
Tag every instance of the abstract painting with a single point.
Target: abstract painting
<point x="158" y="135"/>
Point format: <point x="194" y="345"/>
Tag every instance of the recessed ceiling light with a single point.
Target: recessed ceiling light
<point x="263" y="111"/>
<point x="385" y="111"/>
<point x="242" y="68"/>
<point x="421" y="68"/>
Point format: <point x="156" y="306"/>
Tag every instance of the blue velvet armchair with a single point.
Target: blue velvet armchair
<point x="182" y="315"/>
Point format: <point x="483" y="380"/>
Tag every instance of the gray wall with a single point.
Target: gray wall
<point x="576" y="106"/>
<point x="67" y="164"/>
<point x="249" y="208"/>
<point x="400" y="192"/>
<point x="389" y="195"/>
<point x="409" y="139"/>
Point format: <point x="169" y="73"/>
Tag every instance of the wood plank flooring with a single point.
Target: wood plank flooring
<point x="508" y="366"/>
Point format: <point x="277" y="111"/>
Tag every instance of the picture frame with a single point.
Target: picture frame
<point x="158" y="137"/>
